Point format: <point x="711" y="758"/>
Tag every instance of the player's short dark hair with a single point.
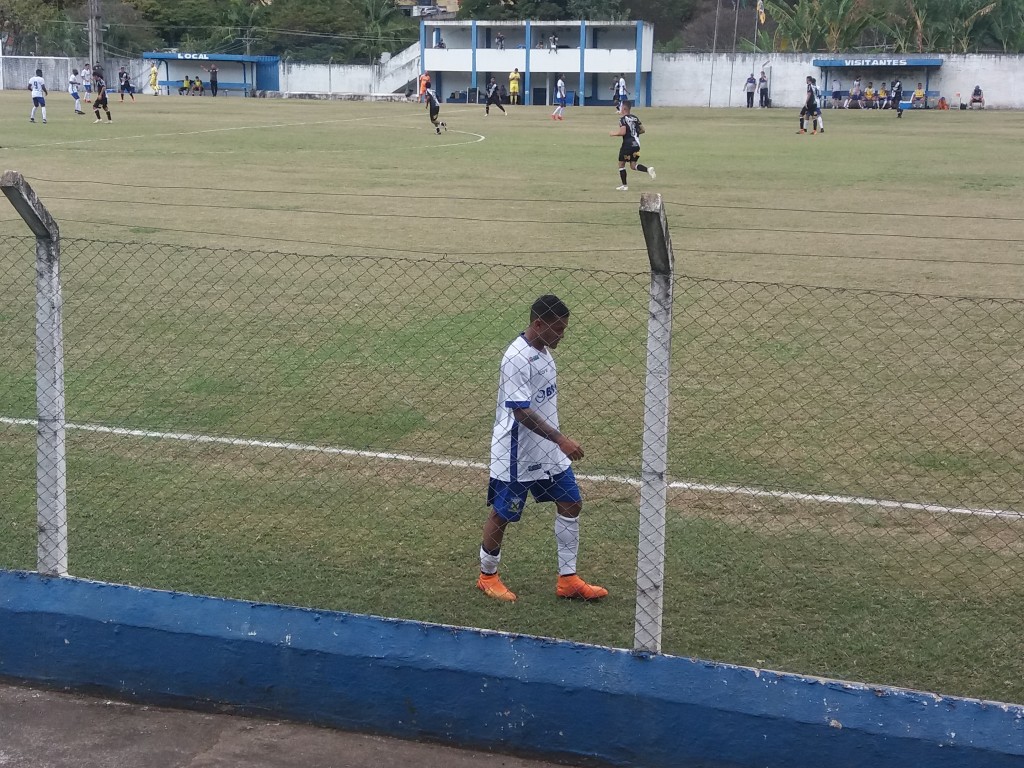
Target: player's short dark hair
<point x="39" y="73"/>
<point x="627" y="103"/>
<point x="548" y="307"/>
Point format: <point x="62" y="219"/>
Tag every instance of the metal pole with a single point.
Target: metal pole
<point x="714" y="50"/>
<point x="650" y="568"/>
<point x="51" y="464"/>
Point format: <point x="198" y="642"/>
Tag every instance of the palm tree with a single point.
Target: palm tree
<point x="382" y="27"/>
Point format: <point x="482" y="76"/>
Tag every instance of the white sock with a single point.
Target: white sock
<point x="489" y="562"/>
<point x="567" y="534"/>
<point x="33" y="115"/>
<point x="78" y="105"/>
<point x="44" y="112"/>
<point x="821" y="124"/>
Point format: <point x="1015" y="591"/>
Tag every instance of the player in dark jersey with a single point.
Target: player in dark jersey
<point x="493" y="97"/>
<point x="124" y="84"/>
<point x="434" y="107"/>
<point x="809" y="108"/>
<point x="100" y="89"/>
<point x="896" y="95"/>
<point x="630" y="130"/>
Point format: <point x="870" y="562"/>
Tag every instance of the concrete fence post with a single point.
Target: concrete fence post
<point x="51" y="464"/>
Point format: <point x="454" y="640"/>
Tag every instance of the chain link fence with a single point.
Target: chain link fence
<point x="844" y="466"/>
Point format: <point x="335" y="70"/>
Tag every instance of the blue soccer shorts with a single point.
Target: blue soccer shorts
<point x="509" y="497"/>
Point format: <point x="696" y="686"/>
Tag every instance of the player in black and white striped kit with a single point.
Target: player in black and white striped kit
<point x="434" y="107"/>
<point x="493" y="97"/>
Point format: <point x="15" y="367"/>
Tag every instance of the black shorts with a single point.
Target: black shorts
<point x="100" y="101"/>
<point x="434" y="112"/>
<point x="629" y="153"/>
<point x="493" y="100"/>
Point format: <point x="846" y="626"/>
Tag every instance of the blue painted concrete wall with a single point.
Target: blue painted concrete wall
<point x="477" y="688"/>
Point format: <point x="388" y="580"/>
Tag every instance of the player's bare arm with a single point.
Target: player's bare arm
<point x="529" y="419"/>
<point x="620" y="132"/>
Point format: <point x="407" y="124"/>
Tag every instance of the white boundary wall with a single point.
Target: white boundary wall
<point x="678" y="79"/>
<point x="701" y="79"/>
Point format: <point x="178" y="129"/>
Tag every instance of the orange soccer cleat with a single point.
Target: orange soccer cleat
<point x="490" y="585"/>
<point x="574" y="588"/>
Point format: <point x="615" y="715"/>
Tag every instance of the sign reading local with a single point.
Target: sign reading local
<point x="193" y="55"/>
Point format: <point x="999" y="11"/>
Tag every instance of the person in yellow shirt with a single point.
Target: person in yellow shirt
<point x="154" y="77"/>
<point x="918" y="99"/>
<point x="513" y="86"/>
<point x="869" y="97"/>
<point x="186" y="87"/>
<point x="882" y="97"/>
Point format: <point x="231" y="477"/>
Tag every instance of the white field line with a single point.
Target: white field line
<point x="259" y="126"/>
<point x="822" y="498"/>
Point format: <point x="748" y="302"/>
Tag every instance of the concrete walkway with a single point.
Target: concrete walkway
<point x="46" y="729"/>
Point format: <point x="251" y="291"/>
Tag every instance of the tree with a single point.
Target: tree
<point x="381" y="27"/>
<point x="24" y="25"/>
<point x="1003" y="28"/>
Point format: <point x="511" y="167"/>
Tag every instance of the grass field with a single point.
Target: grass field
<point x="333" y="274"/>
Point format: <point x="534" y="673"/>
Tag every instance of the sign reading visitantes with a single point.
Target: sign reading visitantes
<point x="877" y="62"/>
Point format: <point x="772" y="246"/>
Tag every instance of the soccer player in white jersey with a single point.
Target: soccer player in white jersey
<point x="38" y="87"/>
<point x="559" y="112"/>
<point x="530" y="455"/>
<point x="74" y="83"/>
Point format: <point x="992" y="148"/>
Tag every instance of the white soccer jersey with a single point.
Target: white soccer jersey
<point x="73" y="83"/>
<point x="560" y="88"/>
<point x="621" y="85"/>
<point x="38" y="85"/>
<point x="528" y="380"/>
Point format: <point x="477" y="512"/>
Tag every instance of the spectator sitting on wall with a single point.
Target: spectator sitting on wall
<point x="197" y="87"/>
<point x="977" y="97"/>
<point x="186" y="86"/>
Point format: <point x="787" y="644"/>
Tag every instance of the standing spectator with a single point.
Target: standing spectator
<point x="630" y="129"/>
<point x="499" y="41"/>
<point x="513" y="86"/>
<point x="762" y="85"/>
<point x="74" y="84"/>
<point x="837" y="94"/>
<point x="559" y="113"/>
<point x="554" y="43"/>
<point x="750" y="86"/>
<point x="87" y="82"/>
<point x="977" y="97"/>
<point x="434" y="109"/>
<point x="212" y="69"/>
<point x="124" y="84"/>
<point x="493" y="97"/>
<point x="37" y="86"/>
<point x="531" y="456"/>
<point x="424" y="85"/>
<point x="154" y="79"/>
<point x="101" y="94"/>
